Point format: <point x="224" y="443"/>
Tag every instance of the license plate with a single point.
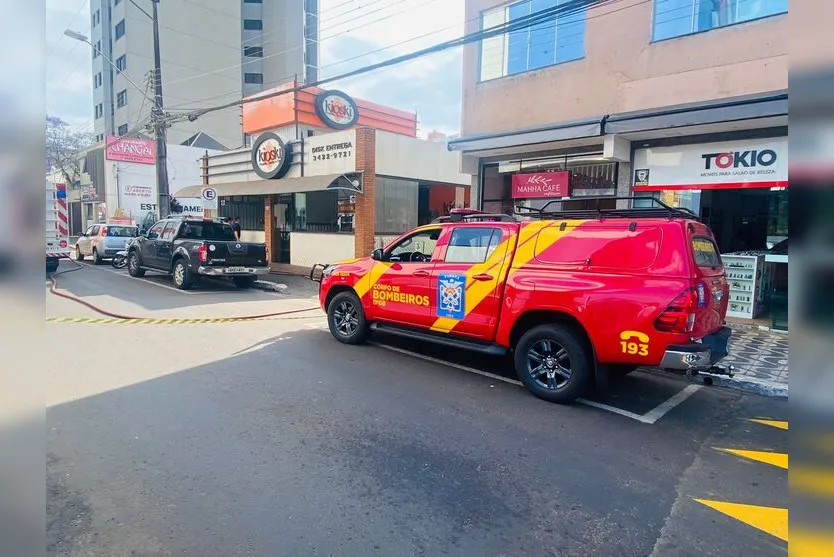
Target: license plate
<point x="237" y="270"/>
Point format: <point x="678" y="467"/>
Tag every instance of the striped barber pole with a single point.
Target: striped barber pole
<point x="63" y="215"/>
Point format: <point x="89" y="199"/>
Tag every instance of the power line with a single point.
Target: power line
<point x="542" y="16"/>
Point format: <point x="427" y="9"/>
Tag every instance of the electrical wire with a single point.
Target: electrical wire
<point x="542" y="16"/>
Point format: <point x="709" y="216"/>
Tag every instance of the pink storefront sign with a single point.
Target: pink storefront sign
<point x="141" y="151"/>
<point x="540" y="185"/>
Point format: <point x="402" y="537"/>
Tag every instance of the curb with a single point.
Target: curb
<point x="749" y="385"/>
<point x="269" y="286"/>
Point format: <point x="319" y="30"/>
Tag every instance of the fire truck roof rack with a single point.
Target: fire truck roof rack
<point x="661" y="211"/>
<point x="461" y="215"/>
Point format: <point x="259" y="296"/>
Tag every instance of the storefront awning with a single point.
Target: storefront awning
<point x="268" y="187"/>
<point x="529" y="136"/>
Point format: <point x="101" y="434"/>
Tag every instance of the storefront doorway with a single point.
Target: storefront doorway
<point x="282" y="211"/>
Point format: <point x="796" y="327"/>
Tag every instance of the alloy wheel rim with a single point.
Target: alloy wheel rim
<point x="548" y="363"/>
<point x="179" y="273"/>
<point x="346" y="318"/>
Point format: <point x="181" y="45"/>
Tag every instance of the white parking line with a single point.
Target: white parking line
<point x="649" y="417"/>
<point x="147" y="280"/>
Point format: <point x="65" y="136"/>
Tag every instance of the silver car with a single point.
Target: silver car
<point x="103" y="241"/>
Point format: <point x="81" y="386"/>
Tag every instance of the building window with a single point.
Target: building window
<point x="319" y="211"/>
<point x="96" y="18"/>
<point x="120" y="29"/>
<point x="675" y="18"/>
<point x="397" y="205"/>
<point x="99" y="110"/>
<point x="117" y="2"/>
<point x="97" y="81"/>
<point x="556" y="40"/>
<point x="122" y="130"/>
<point x="249" y="208"/>
<point x="97" y="49"/>
<point x="253" y="51"/>
<point x="121" y="63"/>
<point x="121" y="99"/>
<point x="253" y="24"/>
<point x="257" y="78"/>
<point x="252" y="1"/>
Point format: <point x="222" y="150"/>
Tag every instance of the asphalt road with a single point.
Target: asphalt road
<point x="270" y="438"/>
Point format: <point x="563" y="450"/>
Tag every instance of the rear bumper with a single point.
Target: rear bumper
<point x="225" y="272"/>
<point x="697" y="356"/>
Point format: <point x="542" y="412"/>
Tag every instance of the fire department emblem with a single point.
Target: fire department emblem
<point x="451" y="292"/>
<point x="641" y="177"/>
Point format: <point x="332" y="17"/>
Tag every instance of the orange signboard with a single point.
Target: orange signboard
<point x="299" y="107"/>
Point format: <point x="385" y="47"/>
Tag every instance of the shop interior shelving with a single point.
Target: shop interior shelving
<point x="744" y="274"/>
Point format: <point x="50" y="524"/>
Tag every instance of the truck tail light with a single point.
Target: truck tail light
<point x="679" y="317"/>
<point x="203" y="253"/>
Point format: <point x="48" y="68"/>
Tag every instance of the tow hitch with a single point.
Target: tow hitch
<point x="729" y="371"/>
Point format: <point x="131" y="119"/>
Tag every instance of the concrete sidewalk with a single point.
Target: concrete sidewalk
<point x="760" y="359"/>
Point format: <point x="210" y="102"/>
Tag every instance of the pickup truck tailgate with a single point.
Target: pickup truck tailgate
<point x="238" y="254"/>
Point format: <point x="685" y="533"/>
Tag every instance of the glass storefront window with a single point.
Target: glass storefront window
<point x="590" y="176"/>
<point x="397" y="205"/>
<point x="323" y="211"/>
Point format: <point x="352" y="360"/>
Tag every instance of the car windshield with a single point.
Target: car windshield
<point x="122" y="231"/>
<point x="207" y="231"/>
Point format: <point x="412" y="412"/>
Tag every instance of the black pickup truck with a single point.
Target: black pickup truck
<point x="189" y="248"/>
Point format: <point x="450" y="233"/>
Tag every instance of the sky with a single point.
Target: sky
<point x="353" y="33"/>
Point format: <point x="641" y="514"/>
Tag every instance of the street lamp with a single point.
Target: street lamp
<point x="157" y="112"/>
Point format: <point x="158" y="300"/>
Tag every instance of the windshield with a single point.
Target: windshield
<point x="122" y="231"/>
<point x="207" y="231"/>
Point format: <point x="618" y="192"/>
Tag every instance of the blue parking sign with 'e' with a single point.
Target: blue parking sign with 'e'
<point x="451" y="296"/>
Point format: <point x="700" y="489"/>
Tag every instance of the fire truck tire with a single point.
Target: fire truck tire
<point x="552" y="361"/>
<point x="346" y="318"/>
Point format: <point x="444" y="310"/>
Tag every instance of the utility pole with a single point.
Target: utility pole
<point x="158" y="119"/>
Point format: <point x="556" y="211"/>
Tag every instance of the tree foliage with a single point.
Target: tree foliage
<point x="65" y="148"/>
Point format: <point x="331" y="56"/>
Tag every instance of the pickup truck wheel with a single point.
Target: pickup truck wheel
<point x="552" y="362"/>
<point x="133" y="267"/>
<point x="346" y="318"/>
<point x="182" y="276"/>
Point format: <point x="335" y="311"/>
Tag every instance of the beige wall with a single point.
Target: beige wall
<point x="400" y="156"/>
<point x="623" y="71"/>
<point x="308" y="248"/>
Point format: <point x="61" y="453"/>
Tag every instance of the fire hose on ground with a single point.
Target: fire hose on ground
<point x="53" y="289"/>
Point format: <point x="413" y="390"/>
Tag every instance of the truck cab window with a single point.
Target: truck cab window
<point x="417" y="248"/>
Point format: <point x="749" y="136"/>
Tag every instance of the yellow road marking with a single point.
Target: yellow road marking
<point x="772" y="520"/>
<point x="775" y="459"/>
<point x="771" y="423"/>
<point x="813" y="480"/>
<point x="810" y="543"/>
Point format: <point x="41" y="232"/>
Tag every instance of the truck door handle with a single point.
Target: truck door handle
<point x="482" y="276"/>
<point x="420" y="274"/>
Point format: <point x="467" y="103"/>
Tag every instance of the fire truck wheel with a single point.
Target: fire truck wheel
<point x="346" y="318"/>
<point x="553" y="363"/>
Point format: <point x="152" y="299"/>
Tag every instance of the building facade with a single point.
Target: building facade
<point x="680" y="100"/>
<point x="212" y="51"/>
<point x="329" y="177"/>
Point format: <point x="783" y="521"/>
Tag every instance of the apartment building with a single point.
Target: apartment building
<point x="213" y="52"/>
<point x="681" y="100"/>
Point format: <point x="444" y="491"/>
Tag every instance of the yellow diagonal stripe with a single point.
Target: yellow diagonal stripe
<point x="371" y="277"/>
<point x="813" y="480"/>
<point x="775" y="459"/>
<point x="810" y="543"/>
<point x="771" y="423"/>
<point x="772" y="520"/>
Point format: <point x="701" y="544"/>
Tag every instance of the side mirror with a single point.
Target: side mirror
<point x="376" y="255"/>
<point x="144" y="233"/>
<point x="151" y="235"/>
